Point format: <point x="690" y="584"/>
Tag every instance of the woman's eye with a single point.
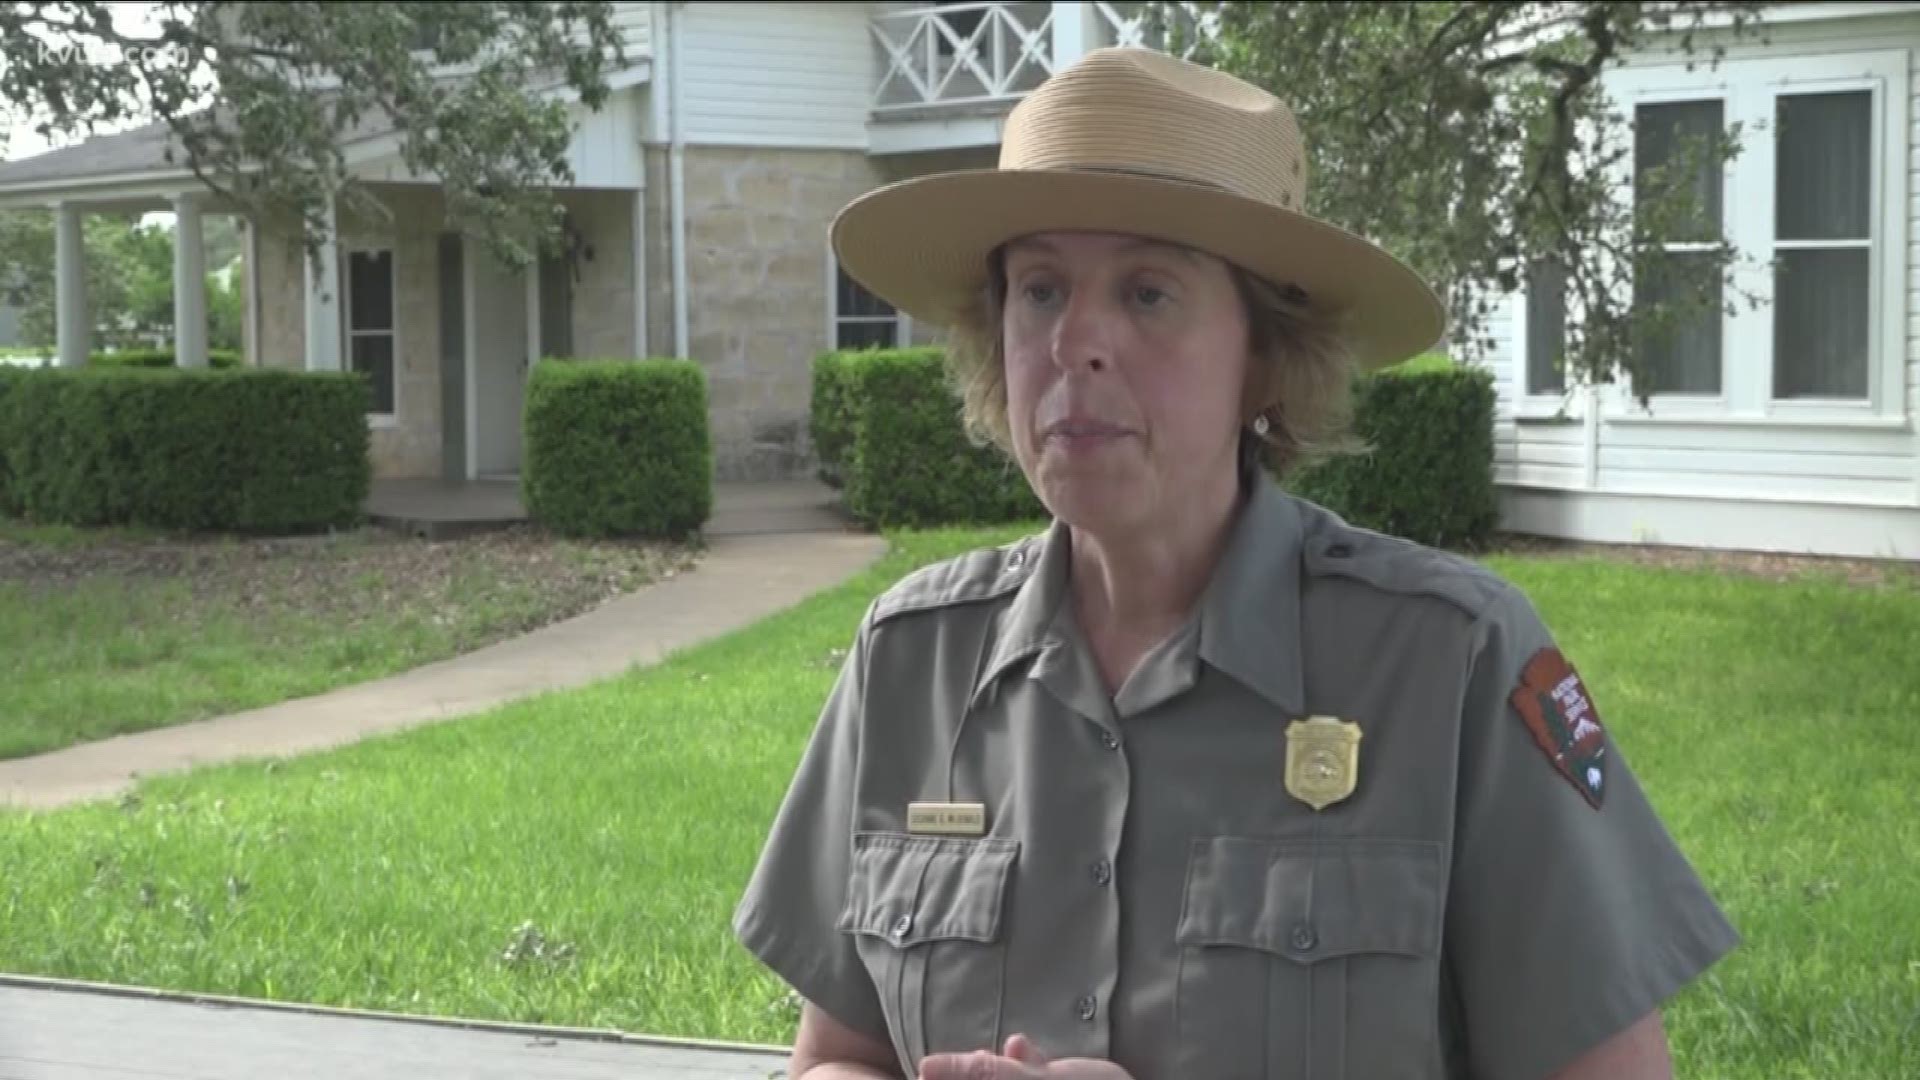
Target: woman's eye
<point x="1148" y="296"/>
<point x="1039" y="294"/>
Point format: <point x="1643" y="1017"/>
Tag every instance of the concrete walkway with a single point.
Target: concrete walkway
<point x="769" y="547"/>
<point x="72" y="1031"/>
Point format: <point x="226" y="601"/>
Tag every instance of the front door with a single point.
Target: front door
<point x="497" y="349"/>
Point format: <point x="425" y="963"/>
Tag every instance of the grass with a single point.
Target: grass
<point x="575" y="859"/>
<point x="107" y="632"/>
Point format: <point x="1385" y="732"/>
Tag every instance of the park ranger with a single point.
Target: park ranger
<point x="1200" y="782"/>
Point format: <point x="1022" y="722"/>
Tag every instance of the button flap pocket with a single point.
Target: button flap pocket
<point x="912" y="889"/>
<point x="1311" y="900"/>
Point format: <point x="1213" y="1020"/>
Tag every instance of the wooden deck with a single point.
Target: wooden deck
<point x="50" y="1030"/>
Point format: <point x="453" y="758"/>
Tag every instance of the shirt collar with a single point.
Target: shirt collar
<point x="1248" y="616"/>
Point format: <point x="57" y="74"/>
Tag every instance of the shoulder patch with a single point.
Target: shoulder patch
<point x="967" y="578"/>
<point x="1559" y="712"/>
<point x="1395" y="565"/>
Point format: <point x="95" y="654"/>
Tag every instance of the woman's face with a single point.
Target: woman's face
<point x="1125" y="361"/>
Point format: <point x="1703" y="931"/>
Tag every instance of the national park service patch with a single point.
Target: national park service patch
<point x="1560" y="713"/>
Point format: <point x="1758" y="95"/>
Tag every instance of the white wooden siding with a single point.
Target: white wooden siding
<point x="776" y="74"/>
<point x="606" y="148"/>
<point x="634" y="20"/>
<point x="1871" y="465"/>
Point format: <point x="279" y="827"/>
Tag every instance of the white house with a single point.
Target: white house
<point x="704" y="190"/>
<point x="1787" y="428"/>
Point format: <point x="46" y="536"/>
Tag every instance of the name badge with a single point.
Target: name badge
<point x="947" y="819"/>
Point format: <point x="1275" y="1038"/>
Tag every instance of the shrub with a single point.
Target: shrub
<point x="9" y="374"/>
<point x="832" y="420"/>
<point x="618" y="447"/>
<point x="247" y="450"/>
<point x="159" y="358"/>
<point x="904" y="455"/>
<point x="1429" y="475"/>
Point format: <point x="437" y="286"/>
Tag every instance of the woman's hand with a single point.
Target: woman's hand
<point x="1018" y="1060"/>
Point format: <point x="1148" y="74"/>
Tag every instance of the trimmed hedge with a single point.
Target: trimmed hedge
<point x="159" y="358"/>
<point x="248" y="450"/>
<point x="1429" y="477"/>
<point x="832" y="421"/>
<point x="894" y="438"/>
<point x="9" y="375"/>
<point x="618" y="447"/>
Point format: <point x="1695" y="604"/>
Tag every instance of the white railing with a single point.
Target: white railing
<point x="1134" y="24"/>
<point x="958" y="54"/>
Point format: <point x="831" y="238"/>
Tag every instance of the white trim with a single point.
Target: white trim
<point x="1780" y="524"/>
<point x="902" y="136"/>
<point x="468" y="251"/>
<point x="902" y="324"/>
<point x="532" y="276"/>
<point x="677" y="177"/>
<point x="252" y="342"/>
<point x="1749" y="90"/>
<point x="392" y="333"/>
<point x="640" y="282"/>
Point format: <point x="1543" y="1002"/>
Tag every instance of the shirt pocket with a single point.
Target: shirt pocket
<point x="1310" y="959"/>
<point x="928" y="916"/>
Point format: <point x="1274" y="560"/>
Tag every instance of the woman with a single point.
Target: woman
<point x="1201" y="783"/>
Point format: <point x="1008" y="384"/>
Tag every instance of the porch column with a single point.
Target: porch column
<point x="189" y="283"/>
<point x="70" y="286"/>
<point x="323" y="301"/>
<point x="1074" y="34"/>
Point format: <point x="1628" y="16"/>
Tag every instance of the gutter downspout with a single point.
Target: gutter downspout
<point x="677" y="178"/>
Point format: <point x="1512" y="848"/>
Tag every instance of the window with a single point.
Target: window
<point x="1546" y="329"/>
<point x="862" y="320"/>
<point x="1823" y="244"/>
<point x="370" y="329"/>
<point x="1813" y="203"/>
<point x="1680" y="141"/>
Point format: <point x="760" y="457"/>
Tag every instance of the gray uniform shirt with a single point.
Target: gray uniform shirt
<point x="1492" y="895"/>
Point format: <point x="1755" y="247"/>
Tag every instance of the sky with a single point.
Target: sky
<point x="132" y="18"/>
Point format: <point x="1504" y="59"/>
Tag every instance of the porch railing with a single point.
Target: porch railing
<point x="958" y="54"/>
<point x="1147" y="25"/>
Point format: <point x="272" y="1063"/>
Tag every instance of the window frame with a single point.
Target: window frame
<point x="902" y="322"/>
<point x="392" y="333"/>
<point x="1569" y="402"/>
<point x="1748" y="90"/>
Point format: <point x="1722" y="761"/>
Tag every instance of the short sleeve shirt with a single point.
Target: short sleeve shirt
<point x="1357" y="818"/>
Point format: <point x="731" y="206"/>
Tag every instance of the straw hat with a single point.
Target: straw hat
<point x="1136" y="141"/>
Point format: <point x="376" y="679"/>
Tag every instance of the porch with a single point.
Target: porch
<point x="949" y="72"/>
<point x="54" y="1028"/>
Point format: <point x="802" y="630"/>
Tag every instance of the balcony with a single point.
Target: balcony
<point x="949" y="62"/>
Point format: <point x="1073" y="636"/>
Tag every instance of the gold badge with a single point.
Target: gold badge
<point x="947" y="819"/>
<point x="1323" y="760"/>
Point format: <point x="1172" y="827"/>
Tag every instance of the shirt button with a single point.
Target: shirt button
<point x="901" y="925"/>
<point x="1109" y="740"/>
<point x="1304" y="939"/>
<point x="1102" y="871"/>
<point x="1087" y="1007"/>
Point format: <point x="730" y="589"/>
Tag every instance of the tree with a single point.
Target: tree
<point x="257" y="97"/>
<point x="1474" y="138"/>
<point x="113" y="257"/>
<point x="129" y="279"/>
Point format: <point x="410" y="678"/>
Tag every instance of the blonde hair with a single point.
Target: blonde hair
<point x="1299" y="374"/>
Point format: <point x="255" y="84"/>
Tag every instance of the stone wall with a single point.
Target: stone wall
<point x="603" y="297"/>
<point x="409" y="446"/>
<point x="757" y="273"/>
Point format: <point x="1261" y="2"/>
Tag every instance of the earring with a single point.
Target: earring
<point x="1260" y="425"/>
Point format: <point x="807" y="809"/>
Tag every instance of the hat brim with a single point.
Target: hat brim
<point x="922" y="246"/>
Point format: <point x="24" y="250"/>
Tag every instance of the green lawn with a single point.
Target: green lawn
<point x="106" y="632"/>
<point x="575" y="859"/>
